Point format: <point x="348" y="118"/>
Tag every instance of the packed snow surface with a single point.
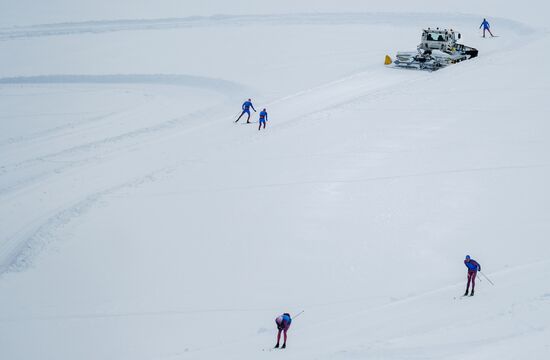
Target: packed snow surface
<point x="138" y="221"/>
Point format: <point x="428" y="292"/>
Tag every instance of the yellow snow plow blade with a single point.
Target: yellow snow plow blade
<point x="388" y="60"/>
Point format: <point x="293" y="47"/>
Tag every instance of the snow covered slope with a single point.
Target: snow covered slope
<point x="138" y="221"/>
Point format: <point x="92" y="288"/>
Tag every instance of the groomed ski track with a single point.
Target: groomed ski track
<point x="333" y="19"/>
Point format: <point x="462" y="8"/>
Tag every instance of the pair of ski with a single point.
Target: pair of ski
<point x="479" y="278"/>
<point x="275" y="348"/>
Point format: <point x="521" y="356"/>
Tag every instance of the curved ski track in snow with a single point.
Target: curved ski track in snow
<point x="15" y="255"/>
<point x="381" y="18"/>
<point x="59" y="166"/>
<point x="17" y="248"/>
<point x="225" y="87"/>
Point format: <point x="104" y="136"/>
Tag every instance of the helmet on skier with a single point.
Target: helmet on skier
<point x="468" y="257"/>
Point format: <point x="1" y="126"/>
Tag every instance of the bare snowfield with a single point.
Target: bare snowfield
<point x="138" y="221"/>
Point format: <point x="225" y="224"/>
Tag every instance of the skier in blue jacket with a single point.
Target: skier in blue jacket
<point x="486" y="27"/>
<point x="283" y="323"/>
<point x="473" y="267"/>
<point x="246" y="110"/>
<point x="263" y="118"/>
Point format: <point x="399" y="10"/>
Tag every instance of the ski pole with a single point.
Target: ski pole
<point x="485" y="276"/>
<point x="300" y="313"/>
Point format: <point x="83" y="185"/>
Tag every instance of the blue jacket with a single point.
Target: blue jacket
<point x="283" y="321"/>
<point x="247" y="105"/>
<point x="472" y="265"/>
<point x="263" y="115"/>
<point x="286" y="319"/>
<point x="485" y="24"/>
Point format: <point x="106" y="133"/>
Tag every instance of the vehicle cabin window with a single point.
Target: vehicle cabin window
<point x="435" y="37"/>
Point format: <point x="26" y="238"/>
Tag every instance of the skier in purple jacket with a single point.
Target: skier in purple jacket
<point x="473" y="267"/>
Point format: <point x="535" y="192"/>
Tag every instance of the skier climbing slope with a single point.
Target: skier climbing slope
<point x="246" y="110"/>
<point x="263" y="118"/>
<point x="486" y="27"/>
<point x="473" y="267"/>
<point x="283" y="324"/>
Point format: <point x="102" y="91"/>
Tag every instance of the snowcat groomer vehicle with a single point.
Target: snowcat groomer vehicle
<point x="438" y="49"/>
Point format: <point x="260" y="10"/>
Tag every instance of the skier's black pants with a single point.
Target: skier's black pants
<point x="244" y="112"/>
